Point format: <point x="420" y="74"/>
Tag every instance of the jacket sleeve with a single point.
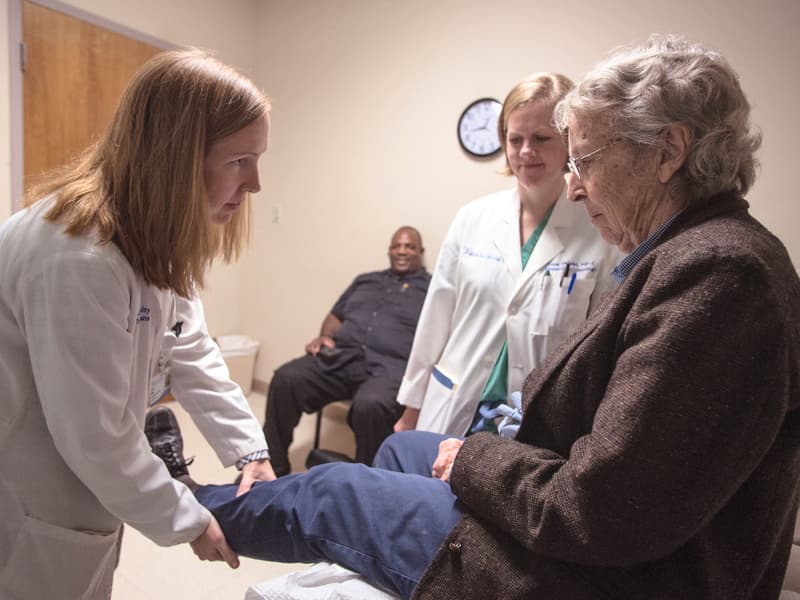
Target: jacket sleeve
<point x="434" y="325"/>
<point x="79" y="328"/>
<point x="695" y="399"/>
<point x="200" y="382"/>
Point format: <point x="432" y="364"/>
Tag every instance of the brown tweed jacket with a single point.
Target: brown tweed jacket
<point x="659" y="453"/>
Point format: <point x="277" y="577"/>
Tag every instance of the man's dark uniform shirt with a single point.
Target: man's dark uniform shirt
<point x="379" y="314"/>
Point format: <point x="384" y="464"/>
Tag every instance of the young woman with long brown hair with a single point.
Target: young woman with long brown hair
<point x="98" y="282"/>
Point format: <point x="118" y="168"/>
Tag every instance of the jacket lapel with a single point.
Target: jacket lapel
<point x="551" y="366"/>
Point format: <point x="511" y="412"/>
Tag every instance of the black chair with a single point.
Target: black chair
<point x="320" y="456"/>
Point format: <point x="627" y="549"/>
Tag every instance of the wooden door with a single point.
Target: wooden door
<point x="74" y="75"/>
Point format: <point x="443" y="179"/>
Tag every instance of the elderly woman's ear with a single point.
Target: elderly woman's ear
<point x="677" y="139"/>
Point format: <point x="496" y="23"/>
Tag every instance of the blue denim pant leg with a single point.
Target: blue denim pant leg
<point x="410" y="451"/>
<point x="387" y="526"/>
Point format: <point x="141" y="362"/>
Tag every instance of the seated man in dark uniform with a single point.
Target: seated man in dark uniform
<point x="360" y="354"/>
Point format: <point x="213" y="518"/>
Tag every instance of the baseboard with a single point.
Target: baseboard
<point x="261" y="386"/>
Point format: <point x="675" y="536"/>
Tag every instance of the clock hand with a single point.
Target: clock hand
<point x="485" y="126"/>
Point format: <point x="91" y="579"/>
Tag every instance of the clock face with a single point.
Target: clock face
<point x="477" y="127"/>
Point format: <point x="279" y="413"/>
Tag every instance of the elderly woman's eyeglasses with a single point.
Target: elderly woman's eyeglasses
<point x="574" y="163"/>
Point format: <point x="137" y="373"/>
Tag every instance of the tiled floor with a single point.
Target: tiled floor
<point x="148" y="571"/>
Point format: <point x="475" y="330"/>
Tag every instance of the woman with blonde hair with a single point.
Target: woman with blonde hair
<point x="518" y="271"/>
<point x="98" y="314"/>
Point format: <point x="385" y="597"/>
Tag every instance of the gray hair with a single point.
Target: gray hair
<point x="641" y="90"/>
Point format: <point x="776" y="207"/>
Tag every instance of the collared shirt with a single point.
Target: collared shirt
<point x="627" y="264"/>
<point x="379" y="314"/>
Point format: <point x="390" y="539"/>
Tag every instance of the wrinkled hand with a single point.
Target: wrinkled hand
<point x="257" y="470"/>
<point x="444" y="460"/>
<point x="314" y="345"/>
<point x="408" y="420"/>
<point x="212" y="545"/>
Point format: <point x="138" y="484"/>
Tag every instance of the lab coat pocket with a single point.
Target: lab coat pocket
<point x="438" y="405"/>
<point x="565" y="307"/>
<point x="49" y="561"/>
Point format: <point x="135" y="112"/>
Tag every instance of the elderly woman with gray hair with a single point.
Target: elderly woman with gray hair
<point x="659" y="448"/>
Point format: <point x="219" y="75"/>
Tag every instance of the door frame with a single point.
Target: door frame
<point x="16" y="102"/>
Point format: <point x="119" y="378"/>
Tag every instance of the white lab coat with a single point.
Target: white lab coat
<point x="80" y="337"/>
<point x="479" y="296"/>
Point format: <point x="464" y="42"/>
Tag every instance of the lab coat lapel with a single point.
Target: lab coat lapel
<point x="505" y="234"/>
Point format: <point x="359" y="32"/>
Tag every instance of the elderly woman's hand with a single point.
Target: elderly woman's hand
<point x="447" y="455"/>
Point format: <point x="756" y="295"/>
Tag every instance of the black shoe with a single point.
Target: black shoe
<point x="164" y="434"/>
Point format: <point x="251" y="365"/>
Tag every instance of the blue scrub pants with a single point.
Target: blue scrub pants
<point x="383" y="523"/>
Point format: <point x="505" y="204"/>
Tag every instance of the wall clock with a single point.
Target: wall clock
<point x="477" y="127"/>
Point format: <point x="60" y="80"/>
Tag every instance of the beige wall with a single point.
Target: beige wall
<point x="366" y="95"/>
